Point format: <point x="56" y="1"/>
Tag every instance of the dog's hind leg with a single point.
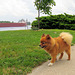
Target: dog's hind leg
<point x="68" y="53"/>
<point x="61" y="56"/>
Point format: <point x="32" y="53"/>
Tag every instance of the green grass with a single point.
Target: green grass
<point x="20" y="51"/>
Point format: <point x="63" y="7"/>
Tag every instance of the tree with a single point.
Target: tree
<point x="5" y="22"/>
<point x="44" y="6"/>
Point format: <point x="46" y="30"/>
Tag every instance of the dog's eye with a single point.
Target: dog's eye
<point x="43" y="43"/>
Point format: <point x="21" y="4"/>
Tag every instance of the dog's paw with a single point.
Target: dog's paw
<point x="50" y="64"/>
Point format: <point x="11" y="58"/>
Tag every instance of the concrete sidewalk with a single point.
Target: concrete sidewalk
<point x="60" y="67"/>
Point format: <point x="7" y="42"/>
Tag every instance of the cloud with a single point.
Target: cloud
<point x="64" y="6"/>
<point x="14" y="10"/>
<point x="14" y="7"/>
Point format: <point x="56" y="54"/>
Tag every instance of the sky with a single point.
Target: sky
<point x="15" y="10"/>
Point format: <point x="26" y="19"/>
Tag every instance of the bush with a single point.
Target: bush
<point x="35" y="28"/>
<point x="62" y="21"/>
<point x="35" y="23"/>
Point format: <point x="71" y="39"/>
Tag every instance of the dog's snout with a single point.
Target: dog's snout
<point x="39" y="45"/>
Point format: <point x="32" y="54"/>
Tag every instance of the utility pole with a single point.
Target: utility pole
<point x="26" y="23"/>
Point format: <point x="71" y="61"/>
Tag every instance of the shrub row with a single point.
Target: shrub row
<point x="62" y="21"/>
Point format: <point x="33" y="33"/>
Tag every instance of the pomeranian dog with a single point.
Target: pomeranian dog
<point x="54" y="46"/>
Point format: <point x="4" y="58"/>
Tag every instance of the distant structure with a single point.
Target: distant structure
<point x="27" y="22"/>
<point x="13" y="24"/>
<point x="21" y="21"/>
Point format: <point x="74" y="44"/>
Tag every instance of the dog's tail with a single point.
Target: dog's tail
<point x="67" y="37"/>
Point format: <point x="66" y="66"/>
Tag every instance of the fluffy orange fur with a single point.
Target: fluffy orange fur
<point x="54" y="46"/>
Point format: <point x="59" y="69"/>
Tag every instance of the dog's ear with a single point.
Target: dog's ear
<point x="48" y="37"/>
<point x="43" y="35"/>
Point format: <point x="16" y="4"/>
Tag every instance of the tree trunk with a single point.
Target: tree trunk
<point x="38" y="19"/>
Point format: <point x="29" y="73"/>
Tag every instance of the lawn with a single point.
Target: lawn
<point x="20" y="51"/>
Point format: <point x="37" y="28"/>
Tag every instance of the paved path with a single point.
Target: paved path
<point x="61" y="67"/>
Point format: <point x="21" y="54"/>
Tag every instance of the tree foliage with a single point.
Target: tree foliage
<point x="61" y="21"/>
<point x="45" y="6"/>
<point x="6" y="22"/>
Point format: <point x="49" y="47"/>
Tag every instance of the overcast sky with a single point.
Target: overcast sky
<point x="14" y="10"/>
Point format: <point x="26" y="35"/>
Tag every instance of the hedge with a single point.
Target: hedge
<point x="62" y="21"/>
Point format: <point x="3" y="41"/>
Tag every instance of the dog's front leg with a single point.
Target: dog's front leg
<point x="52" y="60"/>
